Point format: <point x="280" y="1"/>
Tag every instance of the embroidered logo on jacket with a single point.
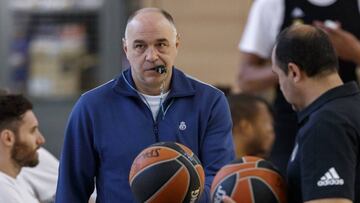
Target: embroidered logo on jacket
<point x="182" y="125"/>
<point x="331" y="177"/>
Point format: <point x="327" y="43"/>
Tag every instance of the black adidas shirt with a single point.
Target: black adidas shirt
<point x="344" y="11"/>
<point x="326" y="159"/>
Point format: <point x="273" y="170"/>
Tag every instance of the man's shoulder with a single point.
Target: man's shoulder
<point x="340" y="108"/>
<point x="98" y="95"/>
<point x="202" y="84"/>
<point x="186" y="82"/>
<point x="331" y="121"/>
<point x="8" y="189"/>
<point x="6" y="181"/>
<point x="100" y="90"/>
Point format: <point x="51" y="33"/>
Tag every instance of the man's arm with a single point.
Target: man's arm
<point x="262" y="27"/>
<point x="217" y="145"/>
<point x="346" y="44"/>
<point x="78" y="158"/>
<point x="338" y="157"/>
<point x="330" y="200"/>
<point x="254" y="73"/>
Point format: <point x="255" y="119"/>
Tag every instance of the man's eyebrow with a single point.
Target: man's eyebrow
<point x="139" y="41"/>
<point x="158" y="40"/>
<point x="162" y="40"/>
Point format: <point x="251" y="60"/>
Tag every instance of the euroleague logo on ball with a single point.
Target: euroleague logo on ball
<point x="219" y="194"/>
<point x="194" y="195"/>
<point x="151" y="153"/>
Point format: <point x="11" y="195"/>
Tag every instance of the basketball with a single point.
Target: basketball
<point x="249" y="180"/>
<point x="166" y="172"/>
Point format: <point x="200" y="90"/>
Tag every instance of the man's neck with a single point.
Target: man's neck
<point x="9" y="168"/>
<point x="318" y="86"/>
<point x="154" y="90"/>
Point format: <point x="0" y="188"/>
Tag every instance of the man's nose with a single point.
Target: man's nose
<point x="152" y="54"/>
<point x="40" y="139"/>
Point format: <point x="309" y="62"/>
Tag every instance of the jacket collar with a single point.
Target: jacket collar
<point x="347" y="89"/>
<point x="180" y="84"/>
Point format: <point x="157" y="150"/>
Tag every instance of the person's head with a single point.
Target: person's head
<point x="151" y="39"/>
<point x="302" y="52"/>
<point x="253" y="130"/>
<point x="19" y="133"/>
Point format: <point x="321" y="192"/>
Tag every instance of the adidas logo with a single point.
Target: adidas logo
<point x="331" y="177"/>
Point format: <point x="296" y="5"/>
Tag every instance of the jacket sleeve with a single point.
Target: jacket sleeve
<point x="217" y="148"/>
<point x="78" y="159"/>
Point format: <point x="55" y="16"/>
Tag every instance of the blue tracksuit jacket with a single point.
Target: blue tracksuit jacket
<point x="110" y="125"/>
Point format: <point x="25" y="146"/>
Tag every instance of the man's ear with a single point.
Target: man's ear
<point x="124" y="45"/>
<point x="294" y="72"/>
<point x="177" y="43"/>
<point x="7" y="137"/>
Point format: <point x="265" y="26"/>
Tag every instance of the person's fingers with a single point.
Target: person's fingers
<point x="227" y="199"/>
<point x="321" y="25"/>
<point x="329" y="26"/>
<point x="317" y="23"/>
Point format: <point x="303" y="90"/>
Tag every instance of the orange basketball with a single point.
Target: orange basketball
<point x="249" y="180"/>
<point x="166" y="172"/>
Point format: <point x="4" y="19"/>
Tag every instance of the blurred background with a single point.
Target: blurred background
<point x="54" y="50"/>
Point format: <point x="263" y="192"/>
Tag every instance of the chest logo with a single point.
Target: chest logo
<point x="182" y="126"/>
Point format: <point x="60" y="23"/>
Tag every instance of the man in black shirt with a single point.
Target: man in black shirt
<point x="266" y="19"/>
<point x="325" y="163"/>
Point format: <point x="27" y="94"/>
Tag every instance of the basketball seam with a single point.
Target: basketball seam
<point x="264" y="169"/>
<point x="150" y="165"/>
<point x="180" y="152"/>
<point x="269" y="186"/>
<point x="257" y="163"/>
<point x="244" y="159"/>
<point x="251" y="191"/>
<point x="187" y="171"/>
<point x="167" y="182"/>
<point x="183" y="154"/>
<point x="236" y="184"/>
<point x="237" y="164"/>
<point x="223" y="179"/>
<point x="196" y="172"/>
<point x="181" y="149"/>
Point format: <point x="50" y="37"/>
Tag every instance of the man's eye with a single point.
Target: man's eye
<point x="162" y="45"/>
<point x="139" y="46"/>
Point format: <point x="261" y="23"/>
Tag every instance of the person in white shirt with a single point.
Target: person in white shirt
<point x="32" y="184"/>
<point x="41" y="180"/>
<point x="20" y="140"/>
